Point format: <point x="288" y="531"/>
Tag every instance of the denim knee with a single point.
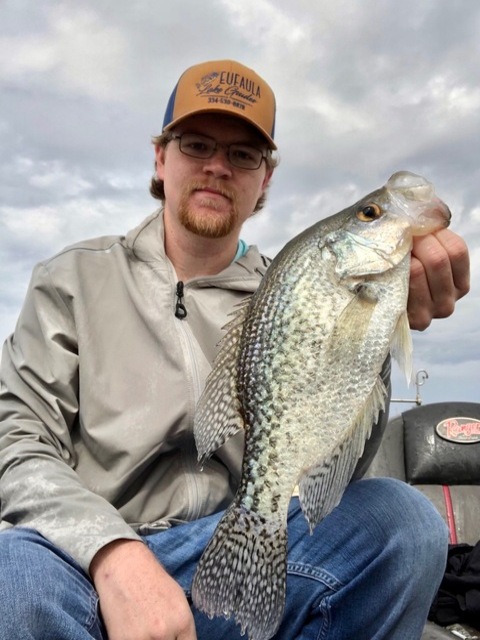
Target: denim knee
<point x="371" y="568"/>
<point x="407" y="511"/>
<point x="21" y="583"/>
<point x="42" y="592"/>
<point x="411" y="527"/>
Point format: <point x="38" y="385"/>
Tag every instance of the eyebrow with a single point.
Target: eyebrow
<point x="257" y="143"/>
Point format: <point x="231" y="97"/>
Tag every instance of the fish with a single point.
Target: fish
<point x="298" y="370"/>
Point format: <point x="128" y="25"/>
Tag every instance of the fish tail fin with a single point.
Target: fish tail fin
<point x="242" y="573"/>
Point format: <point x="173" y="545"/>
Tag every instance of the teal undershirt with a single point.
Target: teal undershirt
<point x="241" y="250"/>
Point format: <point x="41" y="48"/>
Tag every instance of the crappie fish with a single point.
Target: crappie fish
<point x="299" y="371"/>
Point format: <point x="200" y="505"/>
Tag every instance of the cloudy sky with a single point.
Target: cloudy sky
<point x="364" y="88"/>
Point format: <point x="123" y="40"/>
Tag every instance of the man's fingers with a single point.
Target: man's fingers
<point x="439" y="276"/>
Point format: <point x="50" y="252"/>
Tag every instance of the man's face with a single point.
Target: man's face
<point x="210" y="197"/>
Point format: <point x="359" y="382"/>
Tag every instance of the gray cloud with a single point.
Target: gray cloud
<point x="363" y="89"/>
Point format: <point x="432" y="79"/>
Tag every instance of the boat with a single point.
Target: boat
<point x="436" y="448"/>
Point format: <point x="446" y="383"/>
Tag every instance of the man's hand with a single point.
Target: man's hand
<point x="138" y="599"/>
<point x="439" y="276"/>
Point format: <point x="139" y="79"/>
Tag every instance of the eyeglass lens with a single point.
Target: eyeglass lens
<point x="243" y="156"/>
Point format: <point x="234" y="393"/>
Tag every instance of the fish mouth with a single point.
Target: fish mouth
<point x="431" y="217"/>
<point x="415" y="196"/>
<point x="440" y="212"/>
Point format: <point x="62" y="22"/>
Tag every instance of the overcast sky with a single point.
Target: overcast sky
<point x="364" y="88"/>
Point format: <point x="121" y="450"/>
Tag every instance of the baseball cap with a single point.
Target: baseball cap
<point x="223" y="86"/>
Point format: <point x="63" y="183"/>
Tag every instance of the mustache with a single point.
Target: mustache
<point x="199" y="185"/>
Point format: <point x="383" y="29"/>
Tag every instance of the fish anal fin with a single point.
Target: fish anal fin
<point x="321" y="486"/>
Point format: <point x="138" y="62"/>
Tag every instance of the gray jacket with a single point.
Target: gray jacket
<point x="98" y="389"/>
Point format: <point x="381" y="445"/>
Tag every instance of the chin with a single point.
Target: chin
<point x="210" y="224"/>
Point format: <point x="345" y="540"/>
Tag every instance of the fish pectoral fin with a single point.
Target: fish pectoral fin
<point x="217" y="416"/>
<point x="402" y="348"/>
<point x="349" y="329"/>
<point x="322" y="485"/>
<point x="354" y="320"/>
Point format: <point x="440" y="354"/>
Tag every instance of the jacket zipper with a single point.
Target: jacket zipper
<point x="180" y="310"/>
<point x="193" y="480"/>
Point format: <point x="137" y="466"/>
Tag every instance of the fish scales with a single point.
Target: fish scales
<point x="299" y="371"/>
<point x="269" y="385"/>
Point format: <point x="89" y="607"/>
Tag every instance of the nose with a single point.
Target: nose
<point x="218" y="165"/>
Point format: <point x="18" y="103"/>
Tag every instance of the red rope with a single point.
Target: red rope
<point x="450" y="514"/>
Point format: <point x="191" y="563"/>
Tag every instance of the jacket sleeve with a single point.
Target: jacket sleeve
<point x="378" y="429"/>
<point x="39" y="413"/>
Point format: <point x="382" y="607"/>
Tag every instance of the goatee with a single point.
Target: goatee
<point x="216" y="223"/>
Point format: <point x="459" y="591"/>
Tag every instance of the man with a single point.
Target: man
<point x="105" y="511"/>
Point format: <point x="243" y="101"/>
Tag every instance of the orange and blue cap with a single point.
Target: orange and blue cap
<point x="223" y="86"/>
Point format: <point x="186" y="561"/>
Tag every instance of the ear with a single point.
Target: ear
<point x="267" y="178"/>
<point x="160" y="161"/>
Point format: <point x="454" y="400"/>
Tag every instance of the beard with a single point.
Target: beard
<point x="212" y="221"/>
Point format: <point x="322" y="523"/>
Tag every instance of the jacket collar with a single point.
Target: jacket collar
<point x="146" y="242"/>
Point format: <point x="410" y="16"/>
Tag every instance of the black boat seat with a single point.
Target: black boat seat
<point x="436" y="448"/>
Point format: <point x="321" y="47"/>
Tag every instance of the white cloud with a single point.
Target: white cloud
<point x="262" y="20"/>
<point x="78" y="52"/>
<point x="52" y="175"/>
<point x="32" y="224"/>
<point x="22" y="56"/>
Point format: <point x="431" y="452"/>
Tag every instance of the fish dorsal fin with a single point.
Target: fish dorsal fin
<point x="402" y="348"/>
<point x="322" y="486"/>
<point x="217" y="416"/>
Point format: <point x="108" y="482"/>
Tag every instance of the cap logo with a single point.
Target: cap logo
<point x="226" y="87"/>
<point x="223" y="86"/>
<point x="459" y="430"/>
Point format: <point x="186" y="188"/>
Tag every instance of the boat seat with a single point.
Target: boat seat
<point x="436" y="448"/>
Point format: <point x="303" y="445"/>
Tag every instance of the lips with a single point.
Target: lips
<point x="213" y="192"/>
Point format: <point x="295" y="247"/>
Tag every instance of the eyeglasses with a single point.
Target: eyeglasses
<point x="239" y="155"/>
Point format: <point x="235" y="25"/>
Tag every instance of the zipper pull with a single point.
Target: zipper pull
<point x="180" y="311"/>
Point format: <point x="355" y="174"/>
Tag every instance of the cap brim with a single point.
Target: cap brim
<point x="225" y="111"/>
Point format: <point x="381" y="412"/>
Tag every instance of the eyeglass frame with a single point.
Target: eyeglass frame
<point x="218" y="145"/>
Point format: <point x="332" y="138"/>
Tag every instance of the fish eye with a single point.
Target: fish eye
<point x="369" y="213"/>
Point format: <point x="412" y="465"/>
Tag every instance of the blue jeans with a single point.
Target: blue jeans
<point x="369" y="571"/>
